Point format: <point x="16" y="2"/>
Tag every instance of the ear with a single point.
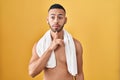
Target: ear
<point x="47" y="20"/>
<point x="65" y="20"/>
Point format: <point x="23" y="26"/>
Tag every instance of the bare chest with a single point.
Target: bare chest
<point x="60" y="71"/>
<point x="60" y="55"/>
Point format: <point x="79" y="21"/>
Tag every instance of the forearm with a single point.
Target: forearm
<point x="80" y="77"/>
<point x="36" y="66"/>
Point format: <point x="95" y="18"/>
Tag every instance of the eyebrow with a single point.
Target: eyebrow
<point x="54" y="14"/>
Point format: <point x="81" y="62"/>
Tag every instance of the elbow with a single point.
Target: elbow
<point x="32" y="74"/>
<point x="33" y="71"/>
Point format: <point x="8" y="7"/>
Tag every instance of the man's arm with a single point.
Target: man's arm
<point x="37" y="64"/>
<point x="79" y="52"/>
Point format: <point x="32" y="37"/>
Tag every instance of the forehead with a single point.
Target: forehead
<point x="56" y="12"/>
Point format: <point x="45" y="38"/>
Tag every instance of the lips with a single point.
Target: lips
<point x="56" y="26"/>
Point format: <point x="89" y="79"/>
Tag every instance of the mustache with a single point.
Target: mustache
<point x="56" y="24"/>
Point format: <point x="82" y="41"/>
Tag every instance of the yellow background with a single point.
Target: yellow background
<point x="95" y="23"/>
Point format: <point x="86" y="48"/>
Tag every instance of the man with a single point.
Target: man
<point x="56" y="20"/>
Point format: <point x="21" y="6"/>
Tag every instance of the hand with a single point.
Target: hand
<point x="56" y="42"/>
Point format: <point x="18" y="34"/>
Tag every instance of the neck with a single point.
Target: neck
<point x="60" y="34"/>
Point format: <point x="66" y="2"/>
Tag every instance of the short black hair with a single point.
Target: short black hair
<point x="57" y="6"/>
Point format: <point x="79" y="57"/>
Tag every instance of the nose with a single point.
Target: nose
<point x="56" y="20"/>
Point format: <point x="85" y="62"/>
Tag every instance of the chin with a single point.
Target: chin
<point x="57" y="30"/>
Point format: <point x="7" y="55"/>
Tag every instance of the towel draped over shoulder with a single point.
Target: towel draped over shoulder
<point x="70" y="51"/>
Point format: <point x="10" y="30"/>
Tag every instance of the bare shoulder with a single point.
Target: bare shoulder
<point x="77" y="43"/>
<point x="34" y="54"/>
<point x="78" y="46"/>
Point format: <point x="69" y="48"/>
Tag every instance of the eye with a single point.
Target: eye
<point x="60" y="17"/>
<point x="52" y="17"/>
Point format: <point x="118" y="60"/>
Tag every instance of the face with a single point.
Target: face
<point x="56" y="19"/>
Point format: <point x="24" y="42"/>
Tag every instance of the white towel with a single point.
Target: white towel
<point x="70" y="51"/>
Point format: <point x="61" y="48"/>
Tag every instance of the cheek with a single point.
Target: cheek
<point x="50" y="21"/>
<point x="63" y="22"/>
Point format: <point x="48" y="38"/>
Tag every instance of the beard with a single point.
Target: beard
<point x="60" y="28"/>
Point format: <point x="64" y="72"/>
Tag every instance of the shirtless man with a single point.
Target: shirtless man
<point x="56" y="20"/>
